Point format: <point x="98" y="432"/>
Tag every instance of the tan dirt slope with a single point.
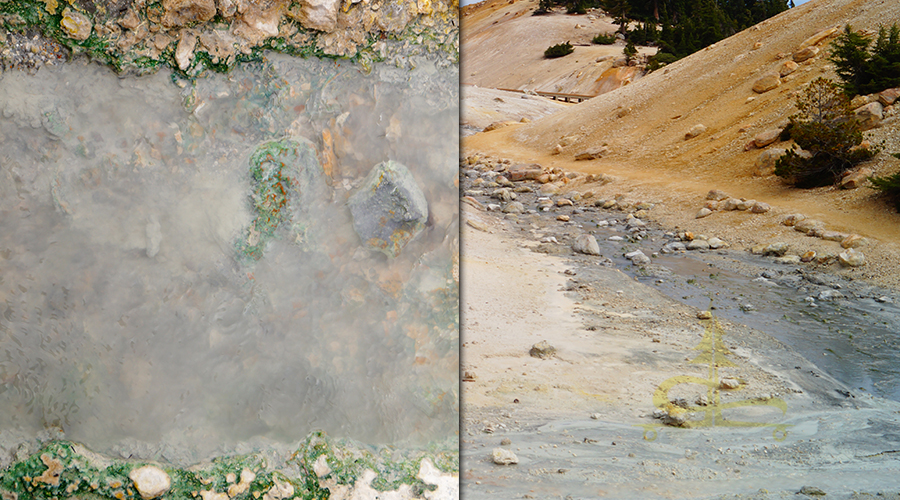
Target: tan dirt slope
<point x="504" y="46"/>
<point x="644" y="125"/>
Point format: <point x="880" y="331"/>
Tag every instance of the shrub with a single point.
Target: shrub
<point x="660" y="59"/>
<point x="559" y="50"/>
<point x="602" y="39"/>
<point x="890" y="185"/>
<point x="630" y="51"/>
<point x="862" y="72"/>
<point x="828" y="133"/>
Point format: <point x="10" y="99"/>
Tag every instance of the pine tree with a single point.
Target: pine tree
<point x="849" y="53"/>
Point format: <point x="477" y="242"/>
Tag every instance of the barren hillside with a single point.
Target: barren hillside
<point x="504" y="46"/>
<point x="644" y="126"/>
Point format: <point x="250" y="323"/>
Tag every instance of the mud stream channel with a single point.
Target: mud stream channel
<point x="142" y="311"/>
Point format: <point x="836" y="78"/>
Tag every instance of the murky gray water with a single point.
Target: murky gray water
<point x="129" y="316"/>
<point x="848" y="329"/>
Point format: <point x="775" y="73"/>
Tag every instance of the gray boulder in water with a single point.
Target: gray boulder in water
<point x="388" y="209"/>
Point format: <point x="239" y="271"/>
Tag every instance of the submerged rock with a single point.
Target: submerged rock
<point x="389" y="209"/>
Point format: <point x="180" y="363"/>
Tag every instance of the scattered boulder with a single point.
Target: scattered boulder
<point x="389" y="208"/>
<point x="184" y="51"/>
<point x="469" y="376"/>
<point x="808" y="256"/>
<point x="889" y="96"/>
<point x="75" y="25"/>
<point x="730" y="204"/>
<point x="704" y="315"/>
<point x="787" y="68"/>
<point x="817" y="38"/>
<point x="778" y="249"/>
<point x="856" y="179"/>
<point x="542" y="350"/>
<point x="852" y="258"/>
<point x="791" y="219"/>
<point x="861" y="100"/>
<point x="807" y="225"/>
<point x="805" y="54"/>
<point x="729" y="384"/>
<point x="524" y="172"/>
<point x="672" y="247"/>
<point x="698" y="245"/>
<point x="716" y="195"/>
<point x="812" y="491"/>
<point x="833" y="236"/>
<point x="870" y="115"/>
<point x="695" y="131"/>
<point x="562" y="218"/>
<point x="564" y="202"/>
<point x="150" y="481"/>
<point x="766" y="83"/>
<point x="854" y="241"/>
<point x="592" y="153"/>
<point x="638" y="258"/>
<point x="788" y="260"/>
<point x="513" y="207"/>
<point x="829" y="295"/>
<point x="760" y="207"/>
<point x="502" y="456"/>
<point x="704" y="212"/>
<point x="498" y="125"/>
<point x="766" y="137"/>
<point x="765" y="162"/>
<point x="716" y="243"/>
<point x="586" y="244"/>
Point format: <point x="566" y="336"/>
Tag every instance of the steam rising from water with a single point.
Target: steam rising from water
<point x="127" y="314"/>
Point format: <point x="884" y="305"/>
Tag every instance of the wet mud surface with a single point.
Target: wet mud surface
<point x="816" y="403"/>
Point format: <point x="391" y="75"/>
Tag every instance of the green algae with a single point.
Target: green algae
<point x="63" y="470"/>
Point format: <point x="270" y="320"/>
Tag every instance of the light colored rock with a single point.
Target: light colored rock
<point x="766" y="83"/>
<point x="889" y="96"/>
<point x="562" y="218"/>
<point x="807" y="225"/>
<point x="806" y="54"/>
<point x="856" y="179"/>
<point x="703" y="212"/>
<point x="716" y="243"/>
<point x="542" y="350"/>
<point x="833" y="236"/>
<point x="870" y="115"/>
<point x="778" y="249"/>
<point x="184" y="53"/>
<point x="791" y="219"/>
<point x="716" y="195"/>
<point x="154" y="236"/>
<point x="704" y="315"/>
<point x="698" y="245"/>
<point x="280" y="490"/>
<point x="592" y="153"/>
<point x="75" y="25"/>
<point x="150" y="481"/>
<point x="501" y="456"/>
<point x="695" y="131"/>
<point x="765" y="162"/>
<point x="638" y="258"/>
<point x="319" y="15"/>
<point x="787" y="68"/>
<point x="564" y="202"/>
<point x="586" y="244"/>
<point x="513" y="207"/>
<point x="729" y="384"/>
<point x="829" y="295"/>
<point x="760" y="207"/>
<point x="766" y="137"/>
<point x="861" y="100"/>
<point x="730" y="204"/>
<point x="808" y="256"/>
<point x="788" y="259"/>
<point x="854" y="241"/>
<point x="549" y="189"/>
<point x="183" y="12"/>
<point x="446" y="485"/>
<point x="817" y="38"/>
<point x="852" y="258"/>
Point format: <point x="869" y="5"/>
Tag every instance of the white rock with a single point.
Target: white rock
<point x="184" y="53"/>
<point x="852" y="258"/>
<point x="150" y="481"/>
<point x="319" y="15"/>
<point x="447" y="484"/>
<point x="637" y="258"/>
<point x="586" y="244"/>
<point x="715" y="243"/>
<point x="704" y="212"/>
<point x="501" y="456"/>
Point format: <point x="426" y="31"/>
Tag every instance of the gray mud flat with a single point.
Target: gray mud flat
<point x="815" y="409"/>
